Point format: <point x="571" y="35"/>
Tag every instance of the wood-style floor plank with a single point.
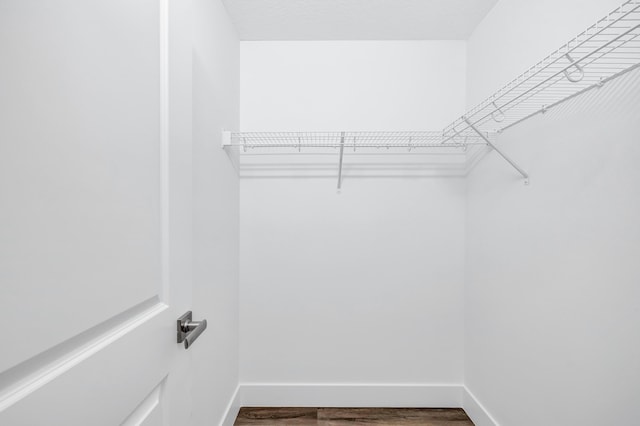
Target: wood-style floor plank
<point x="394" y="416"/>
<point x="267" y="416"/>
<point x="274" y="416"/>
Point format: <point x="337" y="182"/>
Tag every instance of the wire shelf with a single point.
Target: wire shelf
<point x="605" y="50"/>
<point x="350" y="140"/>
<point x="366" y="154"/>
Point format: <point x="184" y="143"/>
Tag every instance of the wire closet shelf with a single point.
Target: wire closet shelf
<point x="604" y="51"/>
<point x="350" y="140"/>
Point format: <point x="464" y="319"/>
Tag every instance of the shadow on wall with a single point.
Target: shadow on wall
<point x="621" y="92"/>
<point x="362" y="163"/>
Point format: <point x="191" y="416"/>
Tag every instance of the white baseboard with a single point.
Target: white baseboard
<point x="349" y="395"/>
<point x="232" y="410"/>
<point x="356" y="395"/>
<point x="476" y="411"/>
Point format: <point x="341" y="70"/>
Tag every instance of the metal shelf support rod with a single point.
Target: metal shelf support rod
<point x="341" y="156"/>
<point x="502" y="154"/>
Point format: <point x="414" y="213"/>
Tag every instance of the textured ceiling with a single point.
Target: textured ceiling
<point x="356" y="19"/>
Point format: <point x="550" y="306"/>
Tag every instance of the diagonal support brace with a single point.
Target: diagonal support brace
<point x="340" y="164"/>
<point x="502" y="154"/>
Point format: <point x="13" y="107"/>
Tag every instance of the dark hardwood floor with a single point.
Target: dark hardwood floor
<point x="268" y="416"/>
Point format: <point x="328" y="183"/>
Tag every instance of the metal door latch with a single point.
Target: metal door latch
<point x="188" y="330"/>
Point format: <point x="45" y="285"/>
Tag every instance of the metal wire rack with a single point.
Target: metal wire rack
<point x="362" y="143"/>
<point x="349" y="140"/>
<point x="605" y="50"/>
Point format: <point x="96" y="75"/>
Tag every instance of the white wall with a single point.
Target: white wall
<point x="552" y="269"/>
<point x="517" y="34"/>
<point x="351" y="85"/>
<point x="537" y="334"/>
<point x="359" y="287"/>
<point x="216" y="216"/>
<point x="363" y="286"/>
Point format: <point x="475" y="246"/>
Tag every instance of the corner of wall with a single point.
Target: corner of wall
<point x="475" y="410"/>
<point x="232" y="410"/>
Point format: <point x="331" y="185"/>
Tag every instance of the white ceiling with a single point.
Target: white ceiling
<point x="356" y="19"/>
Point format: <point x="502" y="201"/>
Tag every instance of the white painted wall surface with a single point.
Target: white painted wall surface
<point x="362" y="287"/>
<point x="351" y="85"/>
<point x="552" y="318"/>
<point x="517" y="34"/>
<point x="216" y="216"/>
<point x="359" y="287"/>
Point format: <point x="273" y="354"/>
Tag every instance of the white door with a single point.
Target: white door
<point x="95" y="211"/>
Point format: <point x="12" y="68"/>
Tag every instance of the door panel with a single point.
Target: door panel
<point x="94" y="246"/>
<point x="149" y="412"/>
<point x="79" y="164"/>
<point x="111" y="381"/>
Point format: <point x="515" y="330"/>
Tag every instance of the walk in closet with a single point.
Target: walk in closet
<point x="219" y="212"/>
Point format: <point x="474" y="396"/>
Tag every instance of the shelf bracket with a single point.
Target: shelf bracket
<point x="573" y="78"/>
<point x="226" y="138"/>
<point x="340" y="163"/>
<point x="502" y="154"/>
